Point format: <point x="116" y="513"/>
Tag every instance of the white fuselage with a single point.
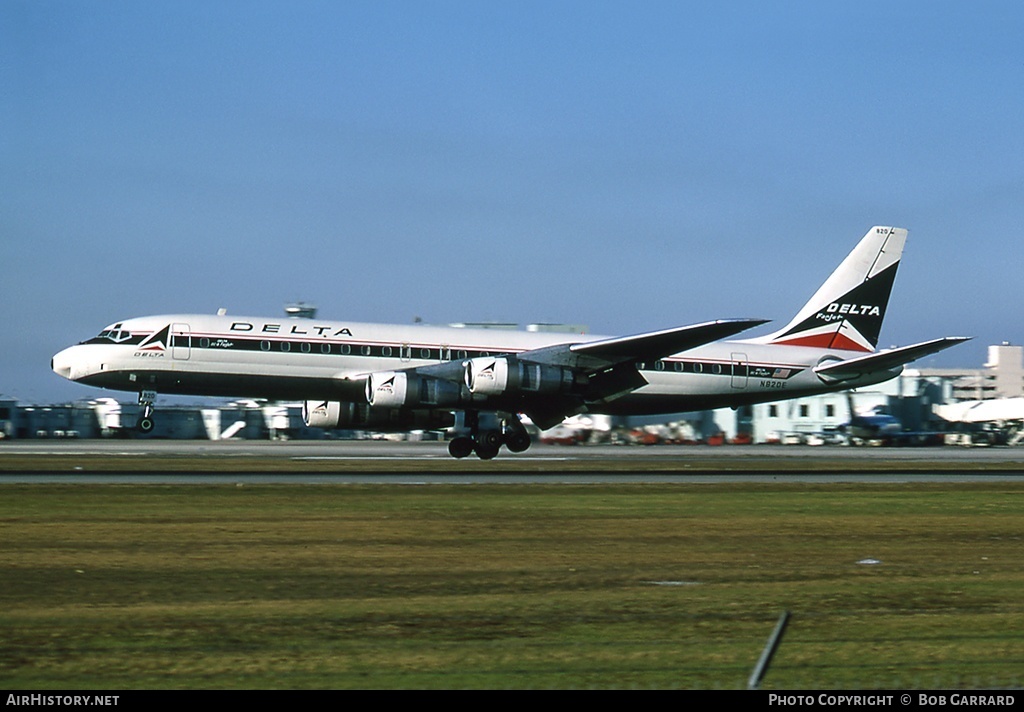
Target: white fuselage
<point x="299" y="359"/>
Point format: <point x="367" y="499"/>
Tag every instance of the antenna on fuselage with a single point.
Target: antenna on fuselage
<point x="300" y="310"/>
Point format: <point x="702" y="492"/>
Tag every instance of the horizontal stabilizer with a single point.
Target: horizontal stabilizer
<point x="883" y="360"/>
<point x="659" y="344"/>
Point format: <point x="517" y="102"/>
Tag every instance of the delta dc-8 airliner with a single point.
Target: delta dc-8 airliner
<point x="477" y="382"/>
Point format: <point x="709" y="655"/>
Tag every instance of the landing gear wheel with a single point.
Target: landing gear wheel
<point x="516" y="438"/>
<point x="145" y="425"/>
<point x="486" y="452"/>
<point x="460" y="447"/>
<point x="518" y="441"/>
<point x="491" y="439"/>
<point x="480" y="433"/>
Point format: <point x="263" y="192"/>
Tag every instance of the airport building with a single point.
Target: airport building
<point x="107" y="418"/>
<point x="1001" y="377"/>
<point x="911" y="399"/>
<point x="908" y="398"/>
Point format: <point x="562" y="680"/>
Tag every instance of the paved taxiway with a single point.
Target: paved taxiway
<point x="428" y="462"/>
<point x="407" y="450"/>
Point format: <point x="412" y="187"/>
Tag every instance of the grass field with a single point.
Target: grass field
<point x="510" y="586"/>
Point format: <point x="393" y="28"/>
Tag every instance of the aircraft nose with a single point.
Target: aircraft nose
<point x="61" y="363"/>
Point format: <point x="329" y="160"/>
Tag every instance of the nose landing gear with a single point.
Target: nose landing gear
<point x="145" y="423"/>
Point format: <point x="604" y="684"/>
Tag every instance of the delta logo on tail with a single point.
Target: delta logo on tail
<point x="847" y="310"/>
<point x="852" y="322"/>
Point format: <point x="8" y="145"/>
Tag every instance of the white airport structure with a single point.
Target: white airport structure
<point x="922" y="400"/>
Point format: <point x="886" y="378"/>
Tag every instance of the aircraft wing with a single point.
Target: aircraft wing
<point x="651" y="346"/>
<point x="884" y="360"/>
<point x="608" y="367"/>
<point x="598" y="355"/>
<point x="659" y="344"/>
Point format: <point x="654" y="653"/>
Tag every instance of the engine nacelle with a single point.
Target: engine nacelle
<point x="507" y="375"/>
<point x="398" y="389"/>
<point x="387" y="389"/>
<point x="487" y="376"/>
<point x="334" y="415"/>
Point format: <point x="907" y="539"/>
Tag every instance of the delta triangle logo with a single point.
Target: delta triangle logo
<point x="157" y="341"/>
<point x="852" y="322"/>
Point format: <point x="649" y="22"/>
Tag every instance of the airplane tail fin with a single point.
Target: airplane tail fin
<point x="847" y="310"/>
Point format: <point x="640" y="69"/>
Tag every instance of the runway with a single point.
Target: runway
<point x="403" y="462"/>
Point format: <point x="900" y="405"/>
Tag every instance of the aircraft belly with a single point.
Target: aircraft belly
<point x="231" y="385"/>
<point x="668" y="392"/>
<point x="225" y="375"/>
<point x="667" y="383"/>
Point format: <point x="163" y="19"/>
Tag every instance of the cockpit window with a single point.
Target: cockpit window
<point x="116" y="334"/>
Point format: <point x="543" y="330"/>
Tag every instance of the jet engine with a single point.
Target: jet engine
<point x="495" y="376"/>
<point x="334" y="415"/>
<point x="398" y="389"/>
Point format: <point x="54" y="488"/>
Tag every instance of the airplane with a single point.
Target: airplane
<point x="874" y="425"/>
<point x="388" y="377"/>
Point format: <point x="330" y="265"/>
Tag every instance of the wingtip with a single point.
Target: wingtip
<point x="751" y="322"/>
<point x="738" y="325"/>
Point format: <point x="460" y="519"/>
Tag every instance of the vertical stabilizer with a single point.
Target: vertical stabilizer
<point x="847" y="310"/>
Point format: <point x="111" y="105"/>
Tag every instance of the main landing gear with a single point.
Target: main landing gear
<point x="145" y="422"/>
<point x="485" y="433"/>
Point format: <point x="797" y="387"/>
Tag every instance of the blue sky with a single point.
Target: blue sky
<point x="630" y="166"/>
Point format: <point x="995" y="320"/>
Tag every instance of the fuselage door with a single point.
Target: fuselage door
<point x="739" y="370"/>
<point x="181" y="342"/>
